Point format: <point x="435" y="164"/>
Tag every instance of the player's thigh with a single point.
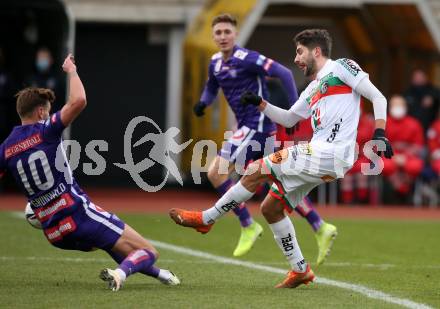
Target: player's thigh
<point x="130" y="241"/>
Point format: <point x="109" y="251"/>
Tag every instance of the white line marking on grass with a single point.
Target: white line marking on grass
<point x="370" y="293"/>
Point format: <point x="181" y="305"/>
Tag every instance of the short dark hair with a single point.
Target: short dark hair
<point x="312" y="38"/>
<point x="30" y="98"/>
<point x="224" y="18"/>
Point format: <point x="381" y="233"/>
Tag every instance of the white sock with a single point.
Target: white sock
<point x="121" y="274"/>
<point x="230" y="200"/>
<point x="164" y="274"/>
<point x="284" y="234"/>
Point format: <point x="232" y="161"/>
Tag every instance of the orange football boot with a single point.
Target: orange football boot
<point x="190" y="219"/>
<point x="295" y="279"/>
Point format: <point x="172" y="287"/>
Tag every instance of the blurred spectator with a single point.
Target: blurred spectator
<point x="46" y="76"/>
<point x="7" y="105"/>
<point x="354" y="181"/>
<point x="406" y="136"/>
<point x="433" y="136"/>
<point x="423" y="99"/>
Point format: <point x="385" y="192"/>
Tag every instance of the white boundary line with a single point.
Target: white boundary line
<point x="370" y="293"/>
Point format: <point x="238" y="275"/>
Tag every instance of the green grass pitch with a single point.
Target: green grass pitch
<point x="400" y="258"/>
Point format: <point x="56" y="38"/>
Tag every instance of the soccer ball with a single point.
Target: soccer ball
<point x="31" y="217"/>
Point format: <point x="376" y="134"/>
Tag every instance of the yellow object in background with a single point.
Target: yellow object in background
<point x="198" y="50"/>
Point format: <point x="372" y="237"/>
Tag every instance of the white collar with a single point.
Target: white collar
<point x="324" y="69"/>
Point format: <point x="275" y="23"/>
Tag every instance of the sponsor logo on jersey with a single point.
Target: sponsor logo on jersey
<point x="260" y="60"/>
<point x="305" y="148"/>
<point x="335" y="131"/>
<point x="44" y="213"/>
<point x="279" y="156"/>
<point x="240" y="54"/>
<point x="64" y="227"/>
<point x="324" y="87"/>
<point x="350" y="65"/>
<point x="316" y="119"/>
<point x="268" y="64"/>
<point x="23" y="145"/>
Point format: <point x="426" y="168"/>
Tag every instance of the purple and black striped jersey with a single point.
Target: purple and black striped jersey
<point x="33" y="154"/>
<point x="244" y="71"/>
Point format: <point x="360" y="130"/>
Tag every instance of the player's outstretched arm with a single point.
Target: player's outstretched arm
<point x="77" y="95"/>
<point x="286" y="118"/>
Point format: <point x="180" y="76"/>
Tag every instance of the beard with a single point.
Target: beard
<point x="310" y="67"/>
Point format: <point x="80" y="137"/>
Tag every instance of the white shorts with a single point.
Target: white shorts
<point x="296" y="170"/>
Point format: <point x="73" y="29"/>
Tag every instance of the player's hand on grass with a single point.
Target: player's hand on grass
<point x="69" y="64"/>
<point x="250" y="98"/>
<point x="379" y="135"/>
<point x="199" y="109"/>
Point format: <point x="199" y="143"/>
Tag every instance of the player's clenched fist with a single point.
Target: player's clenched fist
<point x="250" y="98"/>
<point x="69" y="64"/>
<point x="379" y="135"/>
<point x="199" y="109"/>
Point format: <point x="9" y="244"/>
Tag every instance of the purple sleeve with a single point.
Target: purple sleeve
<point x="262" y="65"/>
<point x="53" y="127"/>
<point x="286" y="77"/>
<point x="211" y="88"/>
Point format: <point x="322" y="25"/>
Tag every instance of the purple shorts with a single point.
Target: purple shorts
<point x="248" y="145"/>
<point x="88" y="228"/>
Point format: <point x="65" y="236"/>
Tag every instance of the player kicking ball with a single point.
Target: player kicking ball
<point x="332" y="100"/>
<point x="34" y="155"/>
<point x="235" y="70"/>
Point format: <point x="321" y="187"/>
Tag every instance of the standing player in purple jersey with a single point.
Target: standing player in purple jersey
<point x="236" y="70"/>
<point x="34" y="155"/>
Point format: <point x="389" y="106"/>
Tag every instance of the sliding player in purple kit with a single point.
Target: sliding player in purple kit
<point x="236" y="70"/>
<point x="34" y="155"/>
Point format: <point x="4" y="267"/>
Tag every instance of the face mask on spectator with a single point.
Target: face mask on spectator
<point x="398" y="112"/>
<point x="42" y="64"/>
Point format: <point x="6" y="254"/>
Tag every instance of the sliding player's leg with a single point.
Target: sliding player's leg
<point x="134" y="255"/>
<point x="285" y="237"/>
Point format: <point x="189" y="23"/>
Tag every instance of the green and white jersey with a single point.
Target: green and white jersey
<point x="334" y="108"/>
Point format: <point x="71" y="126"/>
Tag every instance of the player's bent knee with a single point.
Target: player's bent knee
<point x="272" y="210"/>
